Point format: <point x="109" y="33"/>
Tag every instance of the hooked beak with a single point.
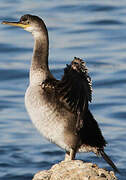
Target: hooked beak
<point x="19" y="24"/>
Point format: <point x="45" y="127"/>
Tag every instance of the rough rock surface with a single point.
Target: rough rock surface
<point x="75" y="170"/>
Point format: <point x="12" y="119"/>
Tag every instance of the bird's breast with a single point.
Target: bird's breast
<point x="49" y="117"/>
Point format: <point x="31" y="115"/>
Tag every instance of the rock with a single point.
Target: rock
<point x="75" y="170"/>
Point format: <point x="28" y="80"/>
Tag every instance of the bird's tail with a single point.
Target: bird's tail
<point x="108" y="160"/>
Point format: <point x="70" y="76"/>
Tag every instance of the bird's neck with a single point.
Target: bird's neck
<point x="39" y="67"/>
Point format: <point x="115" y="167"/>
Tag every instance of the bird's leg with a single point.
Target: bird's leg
<point x="70" y="155"/>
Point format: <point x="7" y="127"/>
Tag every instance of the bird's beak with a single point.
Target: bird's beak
<point x="19" y="24"/>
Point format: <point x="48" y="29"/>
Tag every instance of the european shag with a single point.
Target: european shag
<point x="59" y="108"/>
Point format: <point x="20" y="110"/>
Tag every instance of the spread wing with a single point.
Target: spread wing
<point x="76" y="89"/>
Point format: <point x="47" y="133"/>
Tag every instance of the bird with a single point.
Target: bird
<point x="59" y="109"/>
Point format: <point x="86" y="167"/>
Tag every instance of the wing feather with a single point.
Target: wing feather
<point x="75" y="89"/>
<point x="75" y="85"/>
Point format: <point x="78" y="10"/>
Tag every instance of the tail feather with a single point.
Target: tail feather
<point x="108" y="160"/>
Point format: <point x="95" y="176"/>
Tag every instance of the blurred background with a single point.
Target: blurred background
<point x="93" y="30"/>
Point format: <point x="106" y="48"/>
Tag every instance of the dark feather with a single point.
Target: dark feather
<point x="76" y="88"/>
<point x="76" y="76"/>
<point x="108" y="160"/>
<point x="90" y="133"/>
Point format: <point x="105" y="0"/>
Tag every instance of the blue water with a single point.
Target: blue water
<point x="92" y="30"/>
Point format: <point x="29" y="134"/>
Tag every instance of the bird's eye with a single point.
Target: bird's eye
<point x="24" y="20"/>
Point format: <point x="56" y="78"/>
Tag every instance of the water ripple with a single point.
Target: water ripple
<point x="105" y="22"/>
<point x="12" y="74"/>
<point x="101" y="8"/>
<point x="10" y="49"/>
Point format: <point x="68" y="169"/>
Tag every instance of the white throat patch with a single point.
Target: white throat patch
<point x="29" y="29"/>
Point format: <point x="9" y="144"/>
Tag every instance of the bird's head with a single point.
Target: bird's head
<point x="30" y="23"/>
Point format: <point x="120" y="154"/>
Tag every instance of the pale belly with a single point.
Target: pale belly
<point x="46" y="117"/>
